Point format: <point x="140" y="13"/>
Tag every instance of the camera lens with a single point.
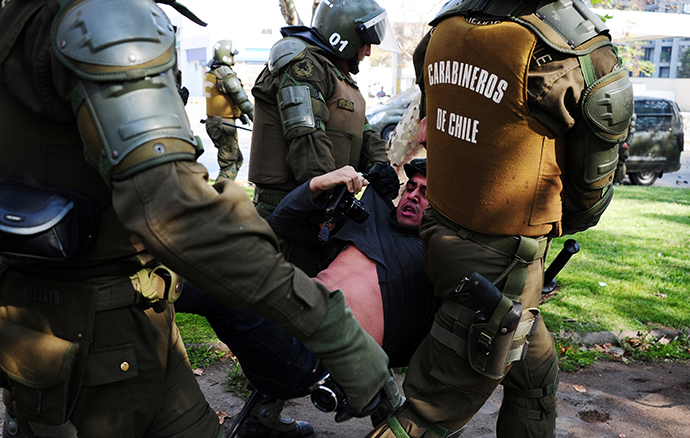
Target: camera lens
<point x="324" y="399"/>
<point x="344" y="203"/>
<point x="354" y="209"/>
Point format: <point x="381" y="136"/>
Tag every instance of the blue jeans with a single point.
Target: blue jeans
<point x="273" y="360"/>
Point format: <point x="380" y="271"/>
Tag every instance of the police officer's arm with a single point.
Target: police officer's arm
<point x="211" y="236"/>
<point x="556" y="100"/>
<point x="214" y="237"/>
<point x="290" y="219"/>
<point x="373" y="148"/>
<point x="229" y="84"/>
<point x="303" y="111"/>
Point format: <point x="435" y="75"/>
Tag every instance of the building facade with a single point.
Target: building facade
<point x="665" y="53"/>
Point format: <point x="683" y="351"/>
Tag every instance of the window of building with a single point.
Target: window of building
<point x="664" y="72"/>
<point x="648" y="54"/>
<point x="665" y="54"/>
<point x="198" y="55"/>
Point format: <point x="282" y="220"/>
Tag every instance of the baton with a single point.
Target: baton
<point x="244" y="413"/>
<point x="229" y="124"/>
<point x="570" y="248"/>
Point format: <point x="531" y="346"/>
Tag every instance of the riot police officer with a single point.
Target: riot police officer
<point x="226" y="102"/>
<point x="105" y="206"/>
<point x="521" y="147"/>
<point x="310" y="120"/>
<point x="310" y="114"/>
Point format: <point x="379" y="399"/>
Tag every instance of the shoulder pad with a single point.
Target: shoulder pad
<point x="285" y="51"/>
<point x="608" y="106"/>
<point x="486" y="9"/>
<point x="103" y="40"/>
<point x="223" y="71"/>
<point x="573" y="21"/>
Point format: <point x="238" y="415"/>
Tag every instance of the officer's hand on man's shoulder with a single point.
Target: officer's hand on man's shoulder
<point x="384" y="179"/>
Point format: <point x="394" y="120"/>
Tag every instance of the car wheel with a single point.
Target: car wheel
<point x="387" y="132"/>
<point x="644" y="178"/>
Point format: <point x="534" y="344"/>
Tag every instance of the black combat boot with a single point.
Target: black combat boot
<point x="266" y="421"/>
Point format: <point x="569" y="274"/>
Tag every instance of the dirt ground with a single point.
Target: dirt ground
<point x="607" y="399"/>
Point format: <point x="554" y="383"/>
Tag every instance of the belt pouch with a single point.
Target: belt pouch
<point x="36" y="367"/>
<point x="46" y="327"/>
<point x="44" y="223"/>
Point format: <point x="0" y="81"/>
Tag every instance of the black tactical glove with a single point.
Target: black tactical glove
<point x="384" y="179"/>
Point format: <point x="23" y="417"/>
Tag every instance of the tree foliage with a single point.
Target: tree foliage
<point x="631" y="55"/>
<point x="290" y="14"/>
<point x="630" y="52"/>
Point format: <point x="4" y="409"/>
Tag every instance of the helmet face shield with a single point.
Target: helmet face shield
<point x="372" y="30"/>
<point x="375" y="29"/>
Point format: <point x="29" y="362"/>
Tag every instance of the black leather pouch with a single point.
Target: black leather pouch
<point x="43" y="223"/>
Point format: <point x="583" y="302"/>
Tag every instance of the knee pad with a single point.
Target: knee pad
<point x="532" y="422"/>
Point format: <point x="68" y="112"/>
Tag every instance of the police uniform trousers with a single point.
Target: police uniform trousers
<point x="224" y="138"/>
<point x="130" y="377"/>
<point x="443" y="391"/>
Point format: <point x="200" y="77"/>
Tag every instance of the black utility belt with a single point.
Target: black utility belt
<point x="45" y="224"/>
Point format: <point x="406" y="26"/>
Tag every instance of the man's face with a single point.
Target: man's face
<point x="413" y="202"/>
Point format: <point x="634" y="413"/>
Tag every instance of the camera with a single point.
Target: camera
<point x="342" y="202"/>
<point x="326" y="395"/>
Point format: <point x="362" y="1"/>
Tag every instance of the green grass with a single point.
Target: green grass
<point x="203" y="355"/>
<point x="655" y="351"/>
<point x="236" y="382"/>
<point x="639" y="250"/>
<point x="195" y="329"/>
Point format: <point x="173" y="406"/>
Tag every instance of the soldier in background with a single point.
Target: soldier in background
<point x="310" y="114"/>
<point x="226" y="102"/>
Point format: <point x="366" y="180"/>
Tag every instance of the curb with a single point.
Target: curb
<point x="589" y="338"/>
<point x="615" y="337"/>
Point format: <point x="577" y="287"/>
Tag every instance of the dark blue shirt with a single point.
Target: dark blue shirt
<point x="408" y="299"/>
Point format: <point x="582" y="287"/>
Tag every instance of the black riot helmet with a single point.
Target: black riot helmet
<point x="347" y="25"/>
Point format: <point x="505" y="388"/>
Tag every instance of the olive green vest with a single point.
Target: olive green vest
<point x="344" y="127"/>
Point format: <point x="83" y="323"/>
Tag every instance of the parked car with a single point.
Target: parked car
<point x="383" y="118"/>
<point x="657" y="141"/>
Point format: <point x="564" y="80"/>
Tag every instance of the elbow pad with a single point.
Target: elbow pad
<point x="301" y="111"/>
<point x="130" y="114"/>
<point x="234" y="88"/>
<point x="607" y="107"/>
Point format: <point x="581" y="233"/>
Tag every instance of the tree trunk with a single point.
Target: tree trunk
<point x="290" y="14"/>
<point x="403" y="145"/>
